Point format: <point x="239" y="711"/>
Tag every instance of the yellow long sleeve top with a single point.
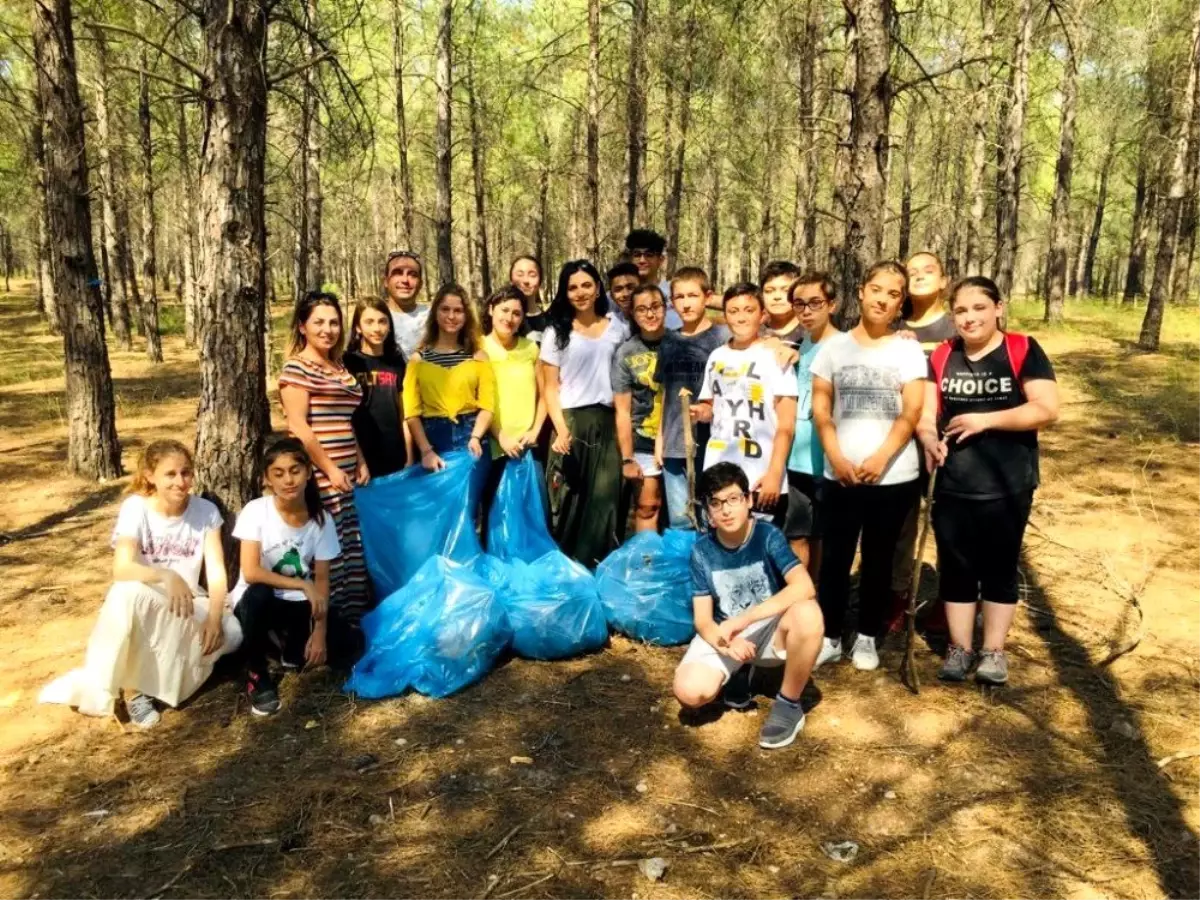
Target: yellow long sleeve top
<point x="447" y="385"/>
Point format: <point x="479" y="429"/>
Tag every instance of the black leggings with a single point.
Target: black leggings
<point x="876" y="512"/>
<point x="260" y="612"/>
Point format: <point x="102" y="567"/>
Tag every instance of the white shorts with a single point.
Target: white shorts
<point x="650" y="468"/>
<point x="761" y="634"/>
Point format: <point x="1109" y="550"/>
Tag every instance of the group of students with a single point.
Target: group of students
<point x="812" y="444"/>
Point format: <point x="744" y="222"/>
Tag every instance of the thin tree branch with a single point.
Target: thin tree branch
<point x="940" y="73"/>
<point x="128" y="32"/>
<point x="296" y="70"/>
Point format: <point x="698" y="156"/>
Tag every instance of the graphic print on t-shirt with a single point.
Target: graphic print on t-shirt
<point x="738" y="391"/>
<point x="741" y="588"/>
<point x="869" y="392"/>
<point x="291" y="565"/>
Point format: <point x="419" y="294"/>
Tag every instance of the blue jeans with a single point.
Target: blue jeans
<point x="446" y="435"/>
<point x="675" y="487"/>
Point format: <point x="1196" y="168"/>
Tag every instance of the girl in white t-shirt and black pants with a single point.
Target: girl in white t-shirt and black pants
<point x="868" y="387"/>
<point x="288" y="541"/>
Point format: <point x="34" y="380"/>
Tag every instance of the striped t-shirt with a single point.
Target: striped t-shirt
<point x="447" y="359"/>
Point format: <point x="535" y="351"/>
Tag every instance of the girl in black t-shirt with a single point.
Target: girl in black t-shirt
<point x="375" y="361"/>
<point x="989" y="392"/>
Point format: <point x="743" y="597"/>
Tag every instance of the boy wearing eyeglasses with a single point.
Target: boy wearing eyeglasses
<point x="638" y="400"/>
<point x="647" y="250"/>
<point x="813" y="298"/>
<point x="753" y="605"/>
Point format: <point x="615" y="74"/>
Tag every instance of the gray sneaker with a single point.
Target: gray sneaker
<point x="993" y="667"/>
<point x="142" y="712"/>
<point x="957" y="664"/>
<point x="784" y="722"/>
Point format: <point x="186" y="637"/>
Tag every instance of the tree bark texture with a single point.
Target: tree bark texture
<point x="92" y="447"/>
<point x="675" y="194"/>
<point x="46" y="299"/>
<point x="906" y="186"/>
<point x="406" y="187"/>
<point x="149" y="225"/>
<point x="230" y="423"/>
<point x="186" y="175"/>
<point x="1144" y="202"/>
<point x="1172" y="203"/>
<point x="972" y="258"/>
<point x="1011" y="145"/>
<point x="593" y="131"/>
<point x="805" y="53"/>
<point x="1060" y="213"/>
<point x="443" y="220"/>
<point x="478" y="168"/>
<point x="635" y="111"/>
<point x="314" y="199"/>
<point x="1093" y="246"/>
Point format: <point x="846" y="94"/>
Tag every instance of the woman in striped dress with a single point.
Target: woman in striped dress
<point x="319" y="397"/>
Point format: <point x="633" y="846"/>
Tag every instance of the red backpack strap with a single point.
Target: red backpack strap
<point x="938" y="360"/>
<point x="1017" y="346"/>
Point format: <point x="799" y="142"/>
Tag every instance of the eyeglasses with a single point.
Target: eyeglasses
<point x="811" y="305"/>
<point x="715" y="504"/>
<point x="643" y="254"/>
<point x="648" y="310"/>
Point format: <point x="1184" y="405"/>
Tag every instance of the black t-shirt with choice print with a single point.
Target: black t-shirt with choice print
<point x="995" y="463"/>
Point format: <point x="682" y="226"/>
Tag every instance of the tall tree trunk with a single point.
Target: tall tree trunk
<point x="46" y="298"/>
<point x="230" y="423"/>
<point x="906" y="188"/>
<point x="980" y="121"/>
<point x="1060" y="214"/>
<point x="862" y="191"/>
<point x="1093" y="244"/>
<point x="406" y="187"/>
<point x="1172" y="203"/>
<point x="92" y="447"/>
<point x="1011" y="144"/>
<point x="314" y="199"/>
<point x="443" y="220"/>
<point x="805" y="53"/>
<point x="1186" y="239"/>
<point x="713" y="214"/>
<point x="635" y="110"/>
<point x="1139" y="231"/>
<point x="766" y="197"/>
<point x="1076" y="263"/>
<point x="114" y="229"/>
<point x="593" y="130"/>
<point x="191" y="322"/>
<point x="675" y="195"/>
<point x="478" y="165"/>
<point x="543" y="214"/>
<point x="149" y="226"/>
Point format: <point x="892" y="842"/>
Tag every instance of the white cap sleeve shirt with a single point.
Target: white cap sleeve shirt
<point x="584" y="365"/>
<point x="284" y="550"/>
<point x="743" y="386"/>
<point x="867" y="387"/>
<point x="168" y="543"/>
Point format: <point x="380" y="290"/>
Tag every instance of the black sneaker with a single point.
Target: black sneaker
<point x="264" y="699"/>
<point x="737" y="693"/>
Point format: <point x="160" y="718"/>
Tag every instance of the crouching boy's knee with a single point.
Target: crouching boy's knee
<point x="804" y="618"/>
<point x="695" y="689"/>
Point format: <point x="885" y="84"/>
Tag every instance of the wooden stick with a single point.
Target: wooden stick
<point x="908" y="666"/>
<point x="1175" y="757"/>
<point x="523" y="888"/>
<point x="689" y="448"/>
<point x="504" y="840"/>
<point x="692" y="805"/>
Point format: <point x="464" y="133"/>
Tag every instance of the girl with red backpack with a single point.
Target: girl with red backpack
<point x="989" y="391"/>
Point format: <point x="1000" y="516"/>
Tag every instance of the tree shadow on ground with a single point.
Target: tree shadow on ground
<point x="98" y="498"/>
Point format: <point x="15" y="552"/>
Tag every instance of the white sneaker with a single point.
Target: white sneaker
<point x="142" y="712"/>
<point x="864" y="655"/>
<point x="831" y="651"/>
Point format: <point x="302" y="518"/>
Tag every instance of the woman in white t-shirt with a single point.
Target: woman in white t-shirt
<point x="867" y="390"/>
<point x="584" y="470"/>
<point x="158" y="633"/>
<point x="288" y="541"/>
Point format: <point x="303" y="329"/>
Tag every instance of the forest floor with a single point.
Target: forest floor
<point x="1060" y="784"/>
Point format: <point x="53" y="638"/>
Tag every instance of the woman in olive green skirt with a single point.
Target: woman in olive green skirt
<point x="584" y="471"/>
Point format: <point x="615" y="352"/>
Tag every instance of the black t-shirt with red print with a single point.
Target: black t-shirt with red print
<point x="377" y="423"/>
<point x="995" y="463"/>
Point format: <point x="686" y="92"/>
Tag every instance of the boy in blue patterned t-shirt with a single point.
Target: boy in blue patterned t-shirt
<point x="753" y="604"/>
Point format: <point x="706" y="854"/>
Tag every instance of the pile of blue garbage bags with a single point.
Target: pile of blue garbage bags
<point x="450" y="610"/>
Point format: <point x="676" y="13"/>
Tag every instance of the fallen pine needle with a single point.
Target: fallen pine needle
<point x="526" y="887"/>
<point x="504" y="840"/>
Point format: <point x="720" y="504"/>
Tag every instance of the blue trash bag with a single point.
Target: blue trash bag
<point x="553" y="607"/>
<point x="517" y="520"/>
<point x="646" y="587"/>
<point x="441" y="632"/>
<point x="410" y="516"/>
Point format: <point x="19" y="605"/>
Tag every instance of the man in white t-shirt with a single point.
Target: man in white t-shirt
<point x="751" y="401"/>
<point x="402" y="277"/>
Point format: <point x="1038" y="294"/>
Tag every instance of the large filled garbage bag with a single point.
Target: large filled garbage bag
<point x="439" y="633"/>
<point x="646" y="587"/>
<point x="553" y="608"/>
<point x="517" y="520"/>
<point x="551" y="601"/>
<point x="410" y="516"/>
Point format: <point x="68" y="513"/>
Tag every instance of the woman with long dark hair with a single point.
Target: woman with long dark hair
<point x="584" y="471"/>
<point x="319" y="396"/>
<point x="989" y="392"/>
<point x="373" y="357"/>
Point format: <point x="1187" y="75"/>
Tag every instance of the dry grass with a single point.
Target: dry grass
<point x="954" y="793"/>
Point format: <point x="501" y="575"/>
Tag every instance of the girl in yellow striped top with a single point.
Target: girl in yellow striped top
<point x="449" y="390"/>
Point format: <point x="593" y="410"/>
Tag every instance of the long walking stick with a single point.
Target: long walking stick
<point x="689" y="448"/>
<point x="908" y="667"/>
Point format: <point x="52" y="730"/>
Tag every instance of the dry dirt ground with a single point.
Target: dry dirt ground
<point x="1055" y="786"/>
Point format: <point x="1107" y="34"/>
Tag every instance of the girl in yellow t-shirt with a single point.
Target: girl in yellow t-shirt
<point x="449" y="391"/>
